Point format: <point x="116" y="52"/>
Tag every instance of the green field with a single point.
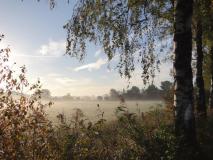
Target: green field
<point x="90" y="108"/>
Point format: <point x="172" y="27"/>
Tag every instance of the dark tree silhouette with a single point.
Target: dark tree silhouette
<point x="183" y="91"/>
<point x="166" y="86"/>
<point x="133" y="93"/>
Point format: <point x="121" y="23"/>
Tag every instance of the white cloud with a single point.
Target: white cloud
<point x="92" y="66"/>
<point x="53" y="48"/>
<point x="98" y="52"/>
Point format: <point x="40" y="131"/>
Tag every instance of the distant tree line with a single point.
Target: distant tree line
<point x="152" y="92"/>
<point x="135" y="93"/>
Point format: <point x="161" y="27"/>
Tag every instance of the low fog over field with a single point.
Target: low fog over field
<point x="93" y="109"/>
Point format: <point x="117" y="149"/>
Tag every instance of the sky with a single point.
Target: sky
<point x="36" y="37"/>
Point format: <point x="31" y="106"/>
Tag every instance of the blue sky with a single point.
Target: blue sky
<point x="37" y="39"/>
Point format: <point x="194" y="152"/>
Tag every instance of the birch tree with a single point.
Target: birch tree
<point x="201" y="97"/>
<point x="209" y="42"/>
<point x="211" y="88"/>
<point x="183" y="95"/>
<point x="123" y="27"/>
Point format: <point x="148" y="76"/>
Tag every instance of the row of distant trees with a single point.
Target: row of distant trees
<point x="133" y="93"/>
<point x="46" y="94"/>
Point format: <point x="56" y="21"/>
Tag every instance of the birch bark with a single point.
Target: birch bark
<point x="183" y="96"/>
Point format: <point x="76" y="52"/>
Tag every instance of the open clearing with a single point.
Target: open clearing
<point x="90" y="108"/>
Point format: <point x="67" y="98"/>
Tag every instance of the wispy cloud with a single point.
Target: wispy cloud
<point x="92" y="66"/>
<point x="53" y="48"/>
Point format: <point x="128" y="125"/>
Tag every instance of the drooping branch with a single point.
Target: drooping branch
<point x="126" y="28"/>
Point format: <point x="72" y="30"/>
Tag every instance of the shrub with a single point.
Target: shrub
<point x="25" y="132"/>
